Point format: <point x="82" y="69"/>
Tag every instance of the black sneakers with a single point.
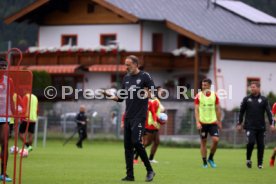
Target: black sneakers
<point x="128" y="178"/>
<point x="79" y="145"/>
<point x="150" y="176"/>
<point x="249" y="164"/>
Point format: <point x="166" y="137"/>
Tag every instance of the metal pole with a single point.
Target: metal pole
<point x="92" y="127"/>
<point x="45" y="132"/>
<point x="117" y="66"/>
<point x="9" y="44"/>
<point x="193" y="121"/>
<point x="196" y="69"/>
<point x="36" y="132"/>
<point x="118" y="86"/>
<point x="64" y="126"/>
<point x="235" y="132"/>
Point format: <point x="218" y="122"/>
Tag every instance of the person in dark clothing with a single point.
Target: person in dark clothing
<point x="81" y="120"/>
<point x="254" y="107"/>
<point x="135" y="90"/>
<point x="272" y="158"/>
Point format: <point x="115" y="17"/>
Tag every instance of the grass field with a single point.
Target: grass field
<point x="103" y="163"/>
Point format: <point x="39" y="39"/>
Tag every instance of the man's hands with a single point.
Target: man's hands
<point x="219" y="124"/>
<point x="239" y="127"/>
<point x="104" y="92"/>
<point x="272" y="128"/>
<point x="81" y="122"/>
<point x="109" y="94"/>
<point x="198" y="125"/>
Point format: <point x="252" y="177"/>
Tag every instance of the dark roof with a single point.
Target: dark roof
<point x="204" y="22"/>
<point x="212" y="22"/>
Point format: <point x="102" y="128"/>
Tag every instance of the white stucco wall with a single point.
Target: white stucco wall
<point x="128" y="36"/>
<point x="235" y="73"/>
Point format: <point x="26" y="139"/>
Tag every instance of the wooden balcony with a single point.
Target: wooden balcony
<point x="150" y="61"/>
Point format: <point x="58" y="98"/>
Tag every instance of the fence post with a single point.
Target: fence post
<point x="118" y="120"/>
<point x="64" y="125"/>
<point x="36" y="132"/>
<point x="45" y="132"/>
<point x="192" y="121"/>
<point x="91" y="126"/>
<point x="235" y="132"/>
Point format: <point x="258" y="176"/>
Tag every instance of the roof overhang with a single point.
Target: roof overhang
<point x="187" y="33"/>
<point x="117" y="10"/>
<point x="18" y="16"/>
<point x="23" y="12"/>
<point x="244" y="44"/>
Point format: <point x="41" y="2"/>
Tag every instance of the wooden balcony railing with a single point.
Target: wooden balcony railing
<point x="150" y="61"/>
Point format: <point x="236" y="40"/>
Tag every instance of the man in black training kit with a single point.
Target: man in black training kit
<point x="254" y="106"/>
<point x="81" y="120"/>
<point x="135" y="114"/>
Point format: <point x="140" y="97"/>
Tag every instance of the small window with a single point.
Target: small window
<point x="157" y="42"/>
<point x="184" y="41"/>
<point x="71" y="40"/>
<point x="75" y="82"/>
<point x="249" y="80"/>
<point x="106" y="39"/>
<point x="266" y="51"/>
<point x="114" y="79"/>
<point x="90" y="8"/>
<point x="182" y="81"/>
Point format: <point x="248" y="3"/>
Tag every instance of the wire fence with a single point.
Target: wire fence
<point x="99" y="127"/>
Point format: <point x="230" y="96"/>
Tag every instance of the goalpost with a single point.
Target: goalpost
<point x="44" y="120"/>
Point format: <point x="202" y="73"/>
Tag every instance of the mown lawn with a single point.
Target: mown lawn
<point x="103" y="163"/>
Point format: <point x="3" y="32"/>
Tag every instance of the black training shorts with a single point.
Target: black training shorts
<point x="211" y="129"/>
<point x="23" y="127"/>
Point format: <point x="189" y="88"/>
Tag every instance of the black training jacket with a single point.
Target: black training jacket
<point x="254" y="108"/>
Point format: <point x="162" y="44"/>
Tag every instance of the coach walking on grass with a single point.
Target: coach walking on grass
<point x="136" y="84"/>
<point x="254" y="107"/>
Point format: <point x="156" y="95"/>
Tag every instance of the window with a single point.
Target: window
<point x="59" y="80"/>
<point x="113" y="79"/>
<point x="71" y="40"/>
<point x="62" y="6"/>
<point x="249" y="80"/>
<point x="183" y="41"/>
<point x="75" y="82"/>
<point x="266" y="51"/>
<point x="106" y="39"/>
<point x="157" y="42"/>
<point x="181" y="81"/>
<point x="90" y="8"/>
